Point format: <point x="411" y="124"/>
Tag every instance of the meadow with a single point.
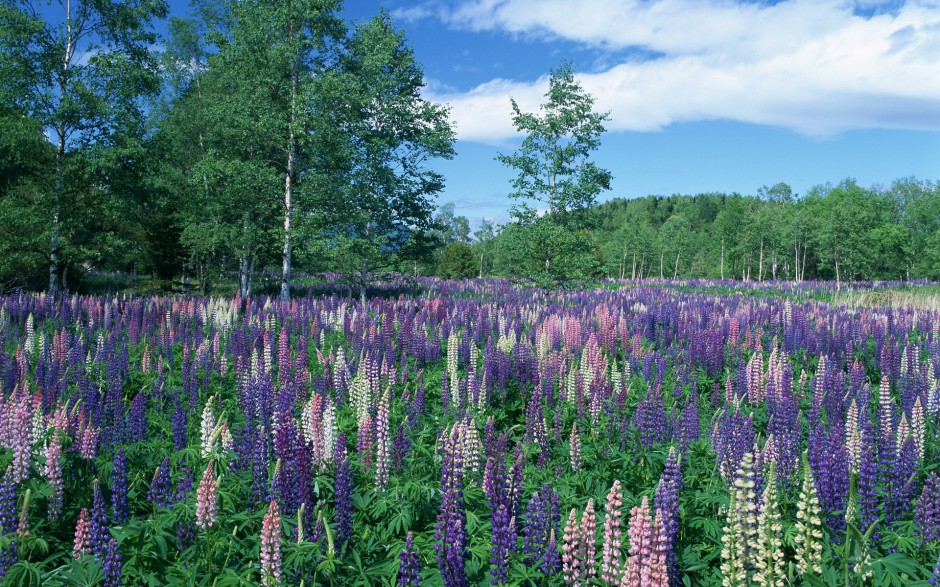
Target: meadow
<point x="472" y="432"/>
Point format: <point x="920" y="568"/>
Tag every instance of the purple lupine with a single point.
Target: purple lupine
<point x="829" y="462"/>
<point x="8" y="558"/>
<point x="343" y="492"/>
<point x="119" y="487"/>
<point x="99" y="523"/>
<point x="928" y="509"/>
<point x="666" y="501"/>
<point x="935" y="578"/>
<point x="542" y="519"/>
<point x="450" y="530"/>
<point x="8" y="510"/>
<point x="179" y="426"/>
<point x="409" y="564"/>
<point x="161" y="486"/>
<point x="112" y="564"/>
<point x="504" y="540"/>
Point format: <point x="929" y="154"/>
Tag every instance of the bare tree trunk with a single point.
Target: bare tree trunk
<point x="662" y="254"/>
<point x="481" y="267"/>
<point x="838" y="275"/>
<point x="760" y="262"/>
<point x="633" y="271"/>
<point x="675" y="274"/>
<point x="722" y="258"/>
<point x="288" y="190"/>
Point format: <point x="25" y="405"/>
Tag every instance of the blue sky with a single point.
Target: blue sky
<point x="704" y="95"/>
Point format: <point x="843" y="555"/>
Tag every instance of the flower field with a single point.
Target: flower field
<point x="470" y="433"/>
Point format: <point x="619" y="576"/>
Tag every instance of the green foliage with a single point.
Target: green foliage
<point x="457" y="261"/>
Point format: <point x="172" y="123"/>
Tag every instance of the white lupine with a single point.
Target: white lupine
<point x="918" y="427"/>
<point x="768" y="559"/>
<point x="329" y="431"/>
<point x="853" y="440"/>
<point x="904" y="432"/>
<point x="206" y="429"/>
<point x="809" y="545"/>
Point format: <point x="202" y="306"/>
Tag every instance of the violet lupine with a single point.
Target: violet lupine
<point x="928" y="509"/>
<point x="409" y="564"/>
<point x="161" y="487"/>
<point x="112" y="564"/>
<point x="343" y="492"/>
<point x="542" y="518"/>
<point x="119" y="488"/>
<point x="450" y="529"/>
<point x="206" y="499"/>
<point x="53" y="473"/>
<point x="646" y="560"/>
<point x="610" y="560"/>
<point x="504" y="538"/>
<point x="271" y="546"/>
<point x="82" y="542"/>
<point x="667" y="501"/>
<point x="99" y="522"/>
<point x="8" y="558"/>
<point x="7" y="502"/>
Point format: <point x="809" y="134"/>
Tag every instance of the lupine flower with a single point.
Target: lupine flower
<point x="588" y="540"/>
<point x="53" y="473"/>
<point x="82" y="543"/>
<point x="8" y="558"/>
<point x="570" y="561"/>
<point x="768" y="557"/>
<point x="343" y="492"/>
<point x="450" y="529"/>
<point x="935" y="578"/>
<point x="740" y="532"/>
<point x="928" y="509"/>
<point x="206" y="428"/>
<point x="409" y="564"/>
<point x="119" y="487"/>
<point x="610" y="561"/>
<point x="206" y="499"/>
<point x="8" y="512"/>
<point x="809" y="536"/>
<point x="271" y="546"/>
<point x="542" y="517"/>
<point x="382" y="444"/>
<point x="575" y="448"/>
<point x="160" y="486"/>
<point x="504" y="538"/>
<point x="646" y="561"/>
<point x="667" y="501"/>
<point x="112" y="564"/>
<point x="99" y="522"/>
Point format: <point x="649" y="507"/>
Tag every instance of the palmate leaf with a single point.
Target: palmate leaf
<point x="897" y="570"/>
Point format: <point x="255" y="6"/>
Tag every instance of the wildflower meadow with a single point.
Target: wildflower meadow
<point x="629" y="433"/>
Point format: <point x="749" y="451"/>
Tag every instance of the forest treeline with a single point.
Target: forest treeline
<point x="836" y="232"/>
<point x="271" y="138"/>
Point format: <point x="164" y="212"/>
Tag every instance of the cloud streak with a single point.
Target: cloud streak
<point x="818" y="67"/>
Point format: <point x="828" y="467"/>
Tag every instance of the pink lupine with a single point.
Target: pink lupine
<point x="206" y="499"/>
<point x="588" y="540"/>
<point x="646" y="564"/>
<point x="271" y="546"/>
<point x="82" y="543"/>
<point x="53" y="473"/>
<point x="575" y="448"/>
<point x="89" y="445"/>
<point x="570" y="563"/>
<point x="610" y="561"/>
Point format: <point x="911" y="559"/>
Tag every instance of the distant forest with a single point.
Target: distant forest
<point x="268" y="140"/>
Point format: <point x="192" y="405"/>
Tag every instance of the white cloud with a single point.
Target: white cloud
<point x="818" y="67"/>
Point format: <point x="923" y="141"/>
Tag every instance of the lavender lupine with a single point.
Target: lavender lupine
<point x="409" y="564"/>
<point x="99" y="522"/>
<point x="112" y="564"/>
<point x="160" y="491"/>
<point x="450" y="530"/>
<point x="667" y="501"/>
<point x="53" y="473"/>
<point x="574" y="444"/>
<point x="271" y="546"/>
<point x="343" y="492"/>
<point x="610" y="560"/>
<point x="119" y="487"/>
<point x="928" y="509"/>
